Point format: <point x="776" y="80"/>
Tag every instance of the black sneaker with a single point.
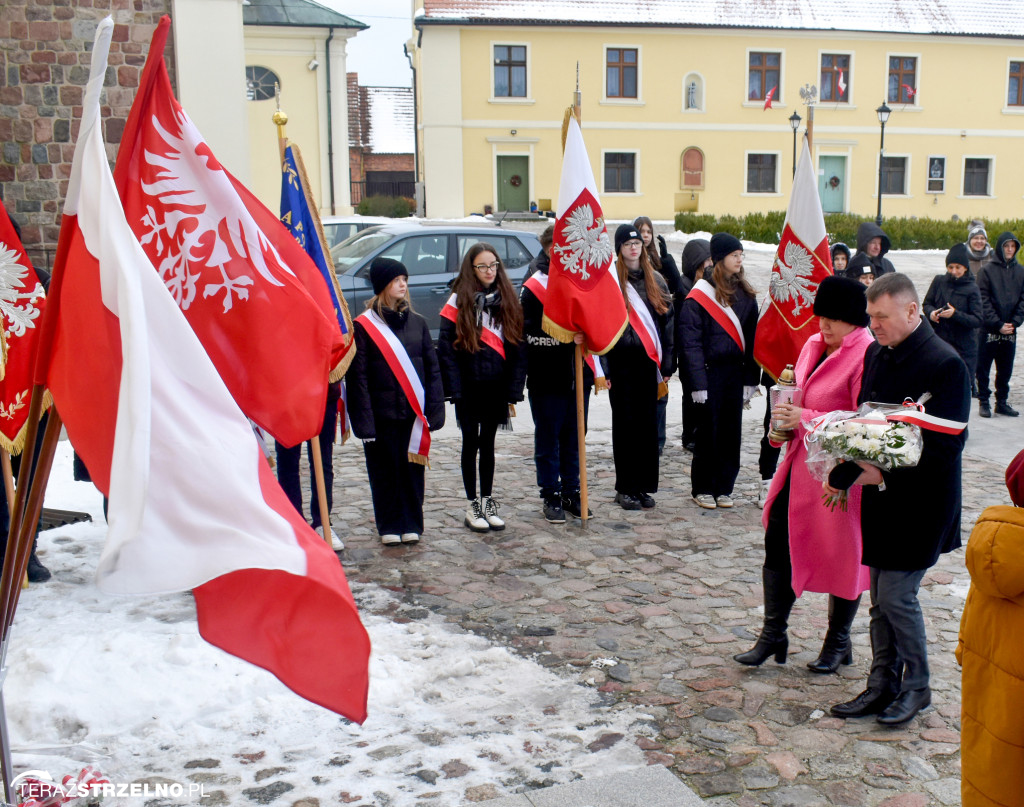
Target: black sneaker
<point x="574" y="507"/>
<point x="37" y="573"/>
<point x="1003" y="408"/>
<point x="646" y="501"/>
<point x="553" y="512"/>
<point x="984" y="409"/>
<point x="627" y="501"/>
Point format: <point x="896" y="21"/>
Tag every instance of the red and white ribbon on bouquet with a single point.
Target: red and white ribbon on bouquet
<point x="916" y="415"/>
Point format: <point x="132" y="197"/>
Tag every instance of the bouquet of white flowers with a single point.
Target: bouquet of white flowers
<point x="866" y="435"/>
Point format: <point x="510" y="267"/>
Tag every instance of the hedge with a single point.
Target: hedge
<point x="904" y="233"/>
<point x="395" y="207"/>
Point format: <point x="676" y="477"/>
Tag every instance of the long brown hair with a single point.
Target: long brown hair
<point x="653" y="253"/>
<point x="381" y="301"/>
<point x="655" y="296"/>
<point x="727" y="285"/>
<point x="510" y="313"/>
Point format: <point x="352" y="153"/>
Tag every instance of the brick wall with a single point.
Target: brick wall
<point x="45" y="50"/>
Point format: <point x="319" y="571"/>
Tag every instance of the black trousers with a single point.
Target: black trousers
<point x="288" y="463"/>
<point x="396" y="484"/>
<point x="776" y="535"/>
<point x="716" y="458"/>
<point x="555" y="444"/>
<point x="634" y="400"/>
<point x="1001" y="352"/>
<point x="768" y="457"/>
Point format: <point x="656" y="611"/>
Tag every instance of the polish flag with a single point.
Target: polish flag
<point x="909" y="91"/>
<point x="583" y="295"/>
<point x="841" y="83"/>
<point x="768" y="98"/>
<point x="802" y="261"/>
<point x="193" y="502"/>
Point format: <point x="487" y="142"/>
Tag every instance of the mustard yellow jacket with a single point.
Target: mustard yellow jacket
<point x="991" y="651"/>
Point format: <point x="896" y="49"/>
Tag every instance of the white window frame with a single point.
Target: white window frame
<point x="702" y="91"/>
<point x="636" y="172"/>
<point x="907" y="178"/>
<point x="778" y="175"/>
<point x="1007" y="109"/>
<point x="779" y="99"/>
<point x="928" y="172"/>
<point x="898" y="106"/>
<point x="849" y="102"/>
<point x="616" y="101"/>
<point x="991" y="194"/>
<point x="500" y="99"/>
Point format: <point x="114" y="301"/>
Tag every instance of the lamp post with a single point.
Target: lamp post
<point x="883" y="115"/>
<point x="794" y="121"/>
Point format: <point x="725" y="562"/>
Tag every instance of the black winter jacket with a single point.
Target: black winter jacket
<point x="630" y="348"/>
<point x="460" y="369"/>
<point x="1001" y="284"/>
<point x="879" y="265"/>
<point x="704" y="344"/>
<point x="374" y="394"/>
<point x="961" y="329"/>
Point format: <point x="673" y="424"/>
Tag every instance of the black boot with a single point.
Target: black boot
<point x="837" y="649"/>
<point x="778" y="601"/>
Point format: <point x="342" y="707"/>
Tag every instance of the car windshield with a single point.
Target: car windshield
<point x="355" y="247"/>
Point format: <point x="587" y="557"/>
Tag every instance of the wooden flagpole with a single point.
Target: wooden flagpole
<point x="581" y="419"/>
<point x="5" y="462"/>
<point x="280" y="119"/>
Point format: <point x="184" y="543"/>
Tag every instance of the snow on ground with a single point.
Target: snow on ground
<point x="128" y="685"/>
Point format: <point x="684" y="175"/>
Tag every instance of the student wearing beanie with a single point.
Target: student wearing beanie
<point x="720" y="369"/>
<point x="381" y="413"/>
<point x="635" y="375"/>
<point x="953" y="306"/>
<point x="978" y="246"/>
<point x="696" y="262"/>
<point x="807" y="546"/>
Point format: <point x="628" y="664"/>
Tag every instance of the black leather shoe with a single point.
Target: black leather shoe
<point x="627" y="501"/>
<point x="1003" y="408"/>
<point x="646" y="501"/>
<point x="984" y="409"/>
<point x="906" y="706"/>
<point x="36" y="572"/>
<point x="868" y="702"/>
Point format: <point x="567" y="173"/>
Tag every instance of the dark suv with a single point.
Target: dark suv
<point x="432" y="254"/>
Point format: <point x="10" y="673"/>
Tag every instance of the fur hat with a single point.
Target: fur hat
<point x="626" y="232"/>
<point x="723" y="244"/>
<point x="959" y="254"/>
<point x="843" y="299"/>
<point x="383" y="271"/>
<point x="1015" y="479"/>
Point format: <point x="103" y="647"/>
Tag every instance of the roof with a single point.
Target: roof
<point x="390" y="118"/>
<point x="956" y="17"/>
<point x="298" y="13"/>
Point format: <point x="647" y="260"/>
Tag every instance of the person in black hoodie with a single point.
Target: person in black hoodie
<point x="635" y="378"/>
<point x="953" y="306"/>
<point x="1001" y="283"/>
<point x="872" y="244"/>
<point x="551" y="381"/>
<point x="840" y="258"/>
<point x="483" y="368"/>
<point x="381" y="414"/>
<point x="696" y="261"/>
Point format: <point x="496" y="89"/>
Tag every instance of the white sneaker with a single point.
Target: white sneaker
<point x="475" y="517"/>
<point x="390" y="539"/>
<point x="410" y="538"/>
<point x="336" y="543"/>
<point x="724" y="501"/>
<point x="490" y="508"/>
<point x="705" y="500"/>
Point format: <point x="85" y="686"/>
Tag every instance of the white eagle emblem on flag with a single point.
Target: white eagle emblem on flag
<point x="17" y="307"/>
<point x="588" y="243"/>
<point x="791" y="278"/>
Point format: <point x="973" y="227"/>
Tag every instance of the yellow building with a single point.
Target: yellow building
<point x="674" y="95"/>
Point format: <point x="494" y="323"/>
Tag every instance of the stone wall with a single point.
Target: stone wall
<point x="45" y="49"/>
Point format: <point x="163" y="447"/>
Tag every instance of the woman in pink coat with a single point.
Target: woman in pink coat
<point x="809" y="547"/>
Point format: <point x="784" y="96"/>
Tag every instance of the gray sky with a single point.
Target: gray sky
<point x="376" y="53"/>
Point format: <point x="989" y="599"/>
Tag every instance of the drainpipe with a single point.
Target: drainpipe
<point x="330" y="127"/>
<point x="415" y="117"/>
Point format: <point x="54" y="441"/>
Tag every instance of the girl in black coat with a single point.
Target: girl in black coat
<point x="953" y="306"/>
<point x="634" y="380"/>
<point x="483" y="368"/>
<point x="381" y="414"/>
<point x="722" y="374"/>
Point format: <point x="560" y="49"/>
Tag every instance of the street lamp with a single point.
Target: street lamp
<point x="883" y="115"/>
<point x="794" y="121"/>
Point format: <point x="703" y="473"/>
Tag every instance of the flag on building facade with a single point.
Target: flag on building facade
<point x="22" y="300"/>
<point x="802" y="261"/>
<point x="768" y="98"/>
<point x="193" y="503"/>
<point x="583" y="289"/>
<point x="254" y="298"/>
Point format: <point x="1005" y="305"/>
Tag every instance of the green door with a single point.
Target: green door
<point x="514" y="183"/>
<point x="832" y="183"/>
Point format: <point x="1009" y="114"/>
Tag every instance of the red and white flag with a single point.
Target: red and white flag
<point x="253" y="296"/>
<point x="841" y="83"/>
<point x="21" y="302"/>
<point x="801" y="263"/>
<point x="768" y="98"/>
<point x="193" y="502"/>
<point x="583" y="289"/>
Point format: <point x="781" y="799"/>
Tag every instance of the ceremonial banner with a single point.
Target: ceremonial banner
<point x="254" y="298"/>
<point x="801" y="263"/>
<point x="583" y="289"/>
<point x="193" y="503"/>
<point x="22" y="299"/>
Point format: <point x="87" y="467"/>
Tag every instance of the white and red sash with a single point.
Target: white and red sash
<point x="643" y="323"/>
<point x="914" y="413"/>
<point x="703" y="293"/>
<point x="398" y="360"/>
<point x="490" y="331"/>
<point x="538" y="284"/>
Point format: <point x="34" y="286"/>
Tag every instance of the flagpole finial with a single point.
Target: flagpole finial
<point x="280" y="117"/>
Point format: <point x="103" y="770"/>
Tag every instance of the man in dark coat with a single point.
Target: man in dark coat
<point x="909" y="516"/>
<point x="872" y="244"/>
<point x="1001" y="283"/>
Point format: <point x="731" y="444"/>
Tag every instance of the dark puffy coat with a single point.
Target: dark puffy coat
<point x="917" y="517"/>
<point x="630" y="348"/>
<point x="704" y="344"/>
<point x="1001" y="284"/>
<point x="485" y="368"/>
<point x="961" y="329"/>
<point x="374" y="393"/>
<point x="550" y="364"/>
<point x="860" y="262"/>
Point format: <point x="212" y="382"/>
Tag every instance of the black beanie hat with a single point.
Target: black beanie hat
<point x="960" y="254"/>
<point x="843" y="299"/>
<point x="723" y="244"/>
<point x="626" y="232"/>
<point x="383" y="271"/>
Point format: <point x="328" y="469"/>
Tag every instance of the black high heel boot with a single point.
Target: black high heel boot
<point x="778" y="601"/>
<point x="837" y="649"/>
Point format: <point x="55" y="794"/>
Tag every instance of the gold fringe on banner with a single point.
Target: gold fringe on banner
<point x="419" y="459"/>
<point x="556" y="330"/>
<point x="17" y="445"/>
